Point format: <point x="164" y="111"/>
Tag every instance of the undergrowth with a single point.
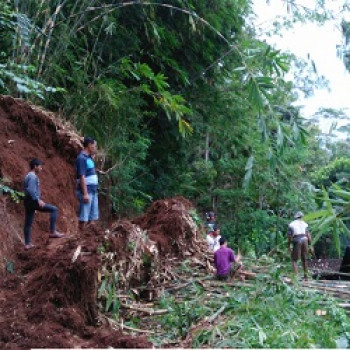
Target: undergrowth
<point x="5" y="189"/>
<point x="264" y="313"/>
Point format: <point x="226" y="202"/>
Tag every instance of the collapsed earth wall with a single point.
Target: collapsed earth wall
<point x="47" y="299"/>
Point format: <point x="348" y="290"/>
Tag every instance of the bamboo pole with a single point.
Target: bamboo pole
<point x="217" y="313"/>
<point x="147" y="311"/>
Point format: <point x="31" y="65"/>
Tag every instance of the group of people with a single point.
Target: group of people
<point x="86" y="191"/>
<point x="225" y="262"/>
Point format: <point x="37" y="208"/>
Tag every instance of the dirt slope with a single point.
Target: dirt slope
<point x="25" y="134"/>
<point x="49" y="301"/>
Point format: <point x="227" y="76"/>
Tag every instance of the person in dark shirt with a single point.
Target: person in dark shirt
<point x="225" y="262"/>
<point x="87" y="183"/>
<point x="33" y="202"/>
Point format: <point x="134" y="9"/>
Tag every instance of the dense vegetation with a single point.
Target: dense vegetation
<point x="183" y="98"/>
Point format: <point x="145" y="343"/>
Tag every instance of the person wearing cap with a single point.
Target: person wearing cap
<point x="33" y="203"/>
<point x="225" y="261"/>
<point x="298" y="240"/>
<point x="213" y="239"/>
<point x="87" y="183"/>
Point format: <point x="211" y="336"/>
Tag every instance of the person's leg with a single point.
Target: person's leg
<point x="94" y="213"/>
<point x="296" y="256"/>
<point x="53" y="210"/>
<point x="84" y="210"/>
<point x="48" y="208"/>
<point x="235" y="269"/>
<point x="29" y="217"/>
<point x="222" y="277"/>
<point x="304" y="255"/>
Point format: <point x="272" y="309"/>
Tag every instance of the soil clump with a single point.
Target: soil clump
<point x="55" y="294"/>
<point x="48" y="299"/>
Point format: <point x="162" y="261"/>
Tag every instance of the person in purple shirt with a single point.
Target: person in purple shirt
<point x="225" y="262"/>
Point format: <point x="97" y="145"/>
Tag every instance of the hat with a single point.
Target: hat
<point x="298" y="215"/>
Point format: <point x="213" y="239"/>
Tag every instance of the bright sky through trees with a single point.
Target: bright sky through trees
<point x="319" y="42"/>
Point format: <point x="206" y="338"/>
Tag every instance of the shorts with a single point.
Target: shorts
<point x="300" y="247"/>
<point x="88" y="211"/>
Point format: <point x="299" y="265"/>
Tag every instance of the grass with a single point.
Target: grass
<point x="266" y="313"/>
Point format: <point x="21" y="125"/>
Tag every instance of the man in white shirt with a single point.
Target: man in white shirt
<point x="213" y="239"/>
<point x="298" y="240"/>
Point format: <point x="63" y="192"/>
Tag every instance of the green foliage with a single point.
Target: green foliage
<point x="331" y="218"/>
<point x="15" y="77"/>
<point x="181" y="316"/>
<point x="107" y="293"/>
<point x="335" y="172"/>
<point x="4" y="189"/>
<point x="196" y="218"/>
<point x="266" y="313"/>
<point x="182" y="98"/>
<point x="285" y="319"/>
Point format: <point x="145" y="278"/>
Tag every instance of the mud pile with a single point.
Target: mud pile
<point x="47" y="299"/>
<point x="26" y="133"/>
<point x="145" y="252"/>
<point x="53" y="295"/>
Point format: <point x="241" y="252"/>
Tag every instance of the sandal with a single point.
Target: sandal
<point x="56" y="235"/>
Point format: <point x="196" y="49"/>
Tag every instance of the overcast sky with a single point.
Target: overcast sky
<point x="320" y="43"/>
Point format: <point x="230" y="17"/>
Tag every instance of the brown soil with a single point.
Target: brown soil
<point x="49" y="300"/>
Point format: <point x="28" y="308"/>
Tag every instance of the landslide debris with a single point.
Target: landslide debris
<point x="55" y="295"/>
<point x="48" y="301"/>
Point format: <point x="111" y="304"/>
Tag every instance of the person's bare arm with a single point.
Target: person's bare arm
<point x="84" y="189"/>
<point x="290" y="236"/>
<point x="308" y="234"/>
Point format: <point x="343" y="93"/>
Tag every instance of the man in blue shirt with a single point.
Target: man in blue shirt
<point x="33" y="202"/>
<point x="87" y="183"/>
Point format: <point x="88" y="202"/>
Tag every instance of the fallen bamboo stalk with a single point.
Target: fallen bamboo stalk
<point x="326" y="289"/>
<point x="331" y="281"/>
<point x="340" y="303"/>
<point x="330" y="272"/>
<point x="183" y="285"/>
<point x="145" y="310"/>
<point x="327" y="285"/>
<point x="232" y="284"/>
<point x="217" y="313"/>
<point x="123" y="296"/>
<point x="339" y="295"/>
<point x="117" y="326"/>
<point x="136" y="329"/>
<point x="247" y="274"/>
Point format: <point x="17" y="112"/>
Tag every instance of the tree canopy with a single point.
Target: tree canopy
<point x="182" y="97"/>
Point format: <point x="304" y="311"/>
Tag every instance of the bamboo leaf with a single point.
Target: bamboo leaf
<point x="249" y="172"/>
<point x="315" y="215"/>
<point x="336" y="239"/>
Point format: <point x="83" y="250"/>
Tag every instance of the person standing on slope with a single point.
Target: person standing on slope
<point x="33" y="203"/>
<point x="87" y="183"/>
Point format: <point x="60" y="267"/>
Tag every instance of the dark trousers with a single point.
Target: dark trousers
<point x="30" y="208"/>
